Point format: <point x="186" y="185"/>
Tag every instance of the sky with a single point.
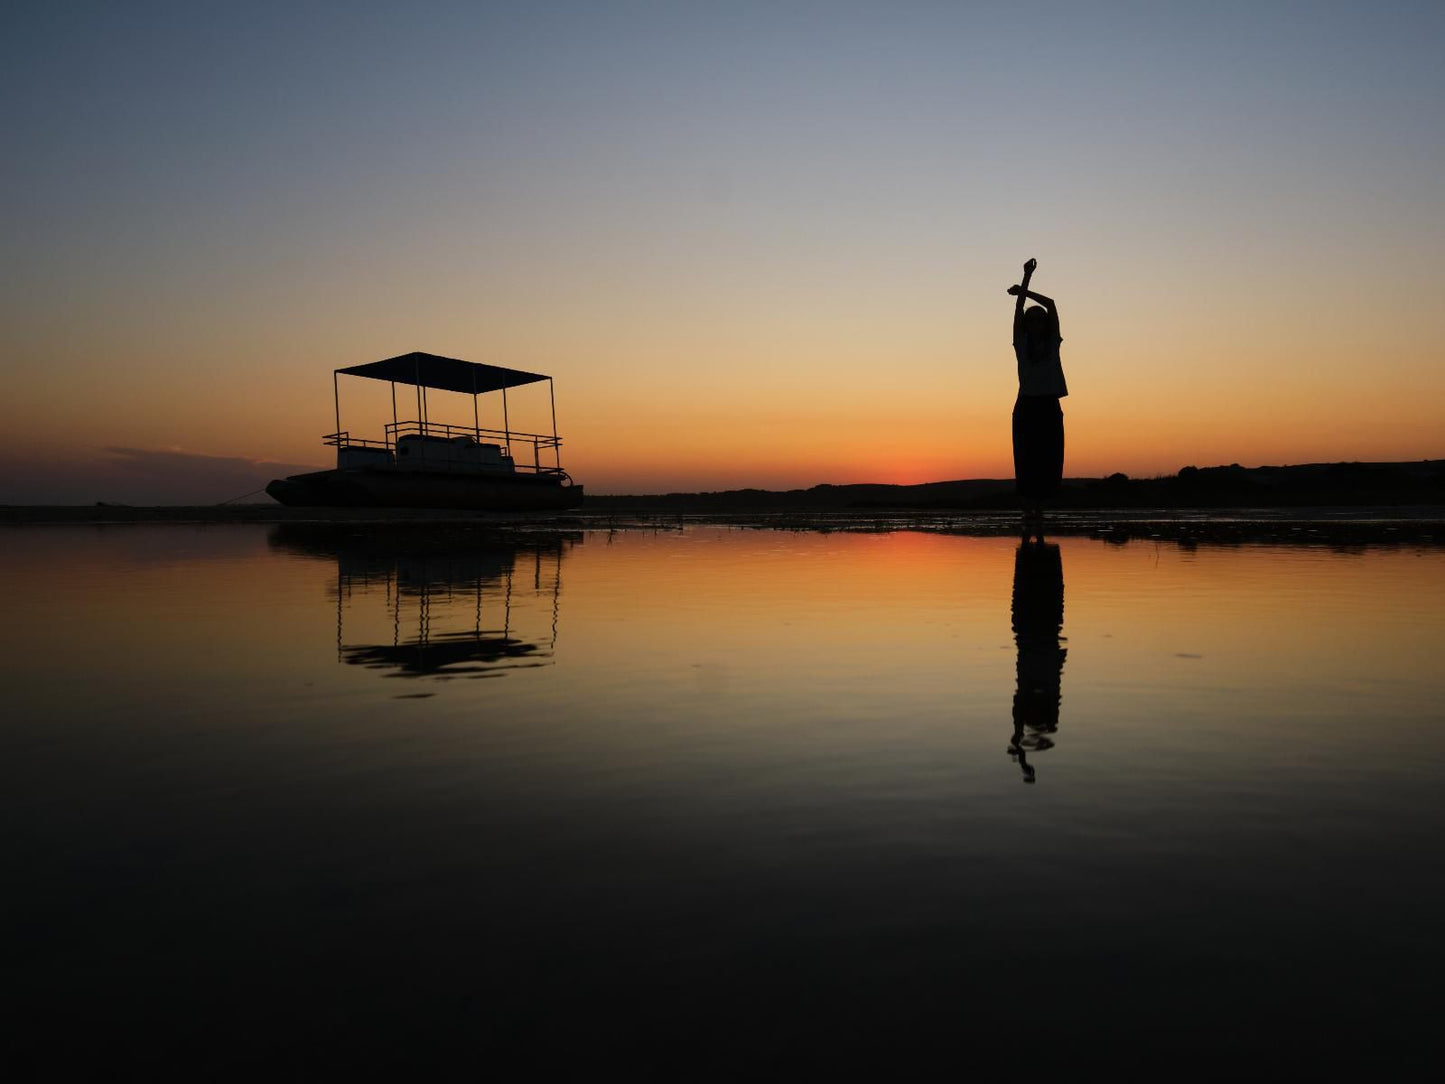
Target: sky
<point x="754" y="244"/>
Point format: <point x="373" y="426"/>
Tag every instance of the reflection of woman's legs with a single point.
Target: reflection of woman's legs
<point x="1037" y="613"/>
<point x="1016" y="750"/>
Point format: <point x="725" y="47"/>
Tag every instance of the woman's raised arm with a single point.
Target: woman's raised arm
<point x="1022" y="288"/>
<point x="1021" y="291"/>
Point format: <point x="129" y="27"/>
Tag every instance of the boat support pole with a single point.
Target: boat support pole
<point x="476" y="425"/>
<point x="556" y="444"/>
<point x="336" y="398"/>
<point x="506" y="424"/>
<point x="393" y="412"/>
<point x="419" y="414"/>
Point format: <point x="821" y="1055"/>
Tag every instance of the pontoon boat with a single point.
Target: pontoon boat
<point x="424" y="464"/>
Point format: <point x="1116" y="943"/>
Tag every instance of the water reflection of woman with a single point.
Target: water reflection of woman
<point x="1038" y="620"/>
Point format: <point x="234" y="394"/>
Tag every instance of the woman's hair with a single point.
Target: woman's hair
<point x="1037" y="326"/>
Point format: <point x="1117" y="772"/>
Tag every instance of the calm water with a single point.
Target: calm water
<point x="306" y="799"/>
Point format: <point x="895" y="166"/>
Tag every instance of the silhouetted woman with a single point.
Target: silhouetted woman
<point x="1038" y="422"/>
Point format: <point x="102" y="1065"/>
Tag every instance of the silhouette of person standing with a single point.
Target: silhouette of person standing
<point x="1038" y="620"/>
<point x="1038" y="421"/>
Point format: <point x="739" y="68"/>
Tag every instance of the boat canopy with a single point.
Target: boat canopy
<point x="447" y="374"/>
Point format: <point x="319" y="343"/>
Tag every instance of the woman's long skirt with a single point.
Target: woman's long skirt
<point x="1038" y="446"/>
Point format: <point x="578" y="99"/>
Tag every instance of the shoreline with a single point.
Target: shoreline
<point x="1324" y="525"/>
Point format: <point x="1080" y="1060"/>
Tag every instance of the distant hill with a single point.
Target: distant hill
<point x="1310" y="484"/>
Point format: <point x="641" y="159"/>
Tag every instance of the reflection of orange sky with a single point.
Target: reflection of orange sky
<point x="801" y="615"/>
<point x="749" y="581"/>
<point x="1215" y="618"/>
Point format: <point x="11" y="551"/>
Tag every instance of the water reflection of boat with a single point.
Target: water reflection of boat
<point x="480" y="603"/>
<point x="419" y="463"/>
<point x="1038" y="621"/>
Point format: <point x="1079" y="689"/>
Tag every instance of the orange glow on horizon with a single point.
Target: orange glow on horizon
<point x="750" y="256"/>
<point x="904" y="396"/>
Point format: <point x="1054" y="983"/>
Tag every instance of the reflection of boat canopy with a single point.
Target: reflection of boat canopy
<point x="456" y="654"/>
<point x="459" y="582"/>
<point x="421" y="463"/>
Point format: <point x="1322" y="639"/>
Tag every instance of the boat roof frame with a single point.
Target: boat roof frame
<point x="424" y="370"/>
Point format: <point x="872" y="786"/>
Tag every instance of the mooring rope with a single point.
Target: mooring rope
<point x="242" y="497"/>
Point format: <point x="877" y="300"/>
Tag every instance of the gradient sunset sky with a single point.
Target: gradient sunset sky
<point x="756" y="244"/>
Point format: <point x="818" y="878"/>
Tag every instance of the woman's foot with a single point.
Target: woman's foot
<point x="1033" y="525"/>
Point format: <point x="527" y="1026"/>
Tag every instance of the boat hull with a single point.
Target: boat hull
<point x="361" y="488"/>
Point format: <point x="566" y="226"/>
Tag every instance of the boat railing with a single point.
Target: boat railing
<point x="506" y="438"/>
